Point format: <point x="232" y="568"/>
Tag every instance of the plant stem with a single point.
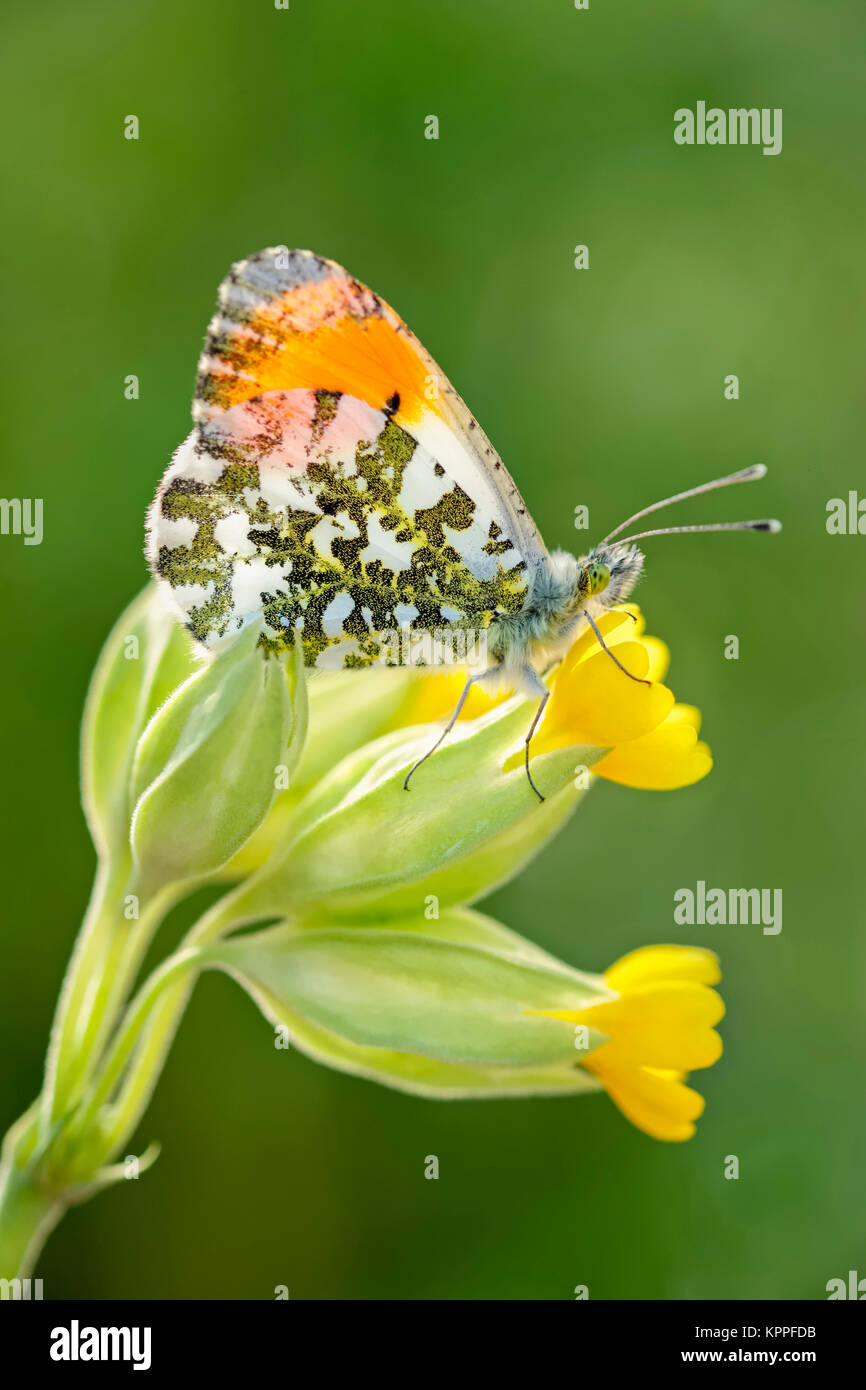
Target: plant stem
<point x="149" y="1027"/>
<point x="147" y="1064"/>
<point x="104" y="962"/>
<point x="39" y="1162"/>
<point x="127" y="950"/>
<point x="28" y="1215"/>
<point x="127" y="1036"/>
<point x="88" y="952"/>
<point x="158" y="1020"/>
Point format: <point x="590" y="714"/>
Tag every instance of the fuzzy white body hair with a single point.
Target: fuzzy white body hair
<point x="555" y="608"/>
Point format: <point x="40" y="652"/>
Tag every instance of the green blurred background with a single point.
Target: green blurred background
<point x="602" y="387"/>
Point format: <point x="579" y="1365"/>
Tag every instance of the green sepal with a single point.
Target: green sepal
<point x="348" y="709"/>
<point x="362" y="847"/>
<point x="348" y="712"/>
<point x="425" y="1076"/>
<point x="146" y="656"/>
<point x="390" y="1002"/>
<point x="207" y="767"/>
<point x="109" y="1176"/>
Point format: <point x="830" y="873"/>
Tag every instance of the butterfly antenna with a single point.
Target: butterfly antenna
<point x="745" y="475"/>
<point x="711" y="526"/>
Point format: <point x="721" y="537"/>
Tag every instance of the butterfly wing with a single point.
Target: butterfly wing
<point x="335" y="482"/>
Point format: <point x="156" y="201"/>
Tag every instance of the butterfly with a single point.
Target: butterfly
<point x="337" y="489"/>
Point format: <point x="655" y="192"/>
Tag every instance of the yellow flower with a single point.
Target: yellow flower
<point x="653" y="742"/>
<point x="659" y="1028"/>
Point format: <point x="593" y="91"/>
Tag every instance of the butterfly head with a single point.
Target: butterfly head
<point x="608" y="574"/>
<point x="563" y="590"/>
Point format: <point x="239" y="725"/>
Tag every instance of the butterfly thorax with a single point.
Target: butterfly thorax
<point x="563" y="589"/>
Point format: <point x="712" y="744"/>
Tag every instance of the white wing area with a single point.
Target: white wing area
<point x="320" y="513"/>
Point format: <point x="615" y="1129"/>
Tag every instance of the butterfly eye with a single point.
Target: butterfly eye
<point x="599" y="578"/>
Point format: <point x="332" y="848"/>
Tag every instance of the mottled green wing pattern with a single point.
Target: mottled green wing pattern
<point x="331" y="520"/>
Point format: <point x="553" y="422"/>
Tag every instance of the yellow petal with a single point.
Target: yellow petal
<point x="653" y="964"/>
<point x="637" y="620"/>
<point x="435" y="695"/>
<point x="667" y="757"/>
<point x="659" y="1105"/>
<point x="686" y="714"/>
<point x="599" y="705"/>
<point x="660" y="1025"/>
<point x="659" y="658"/>
<point x="617" y="625"/>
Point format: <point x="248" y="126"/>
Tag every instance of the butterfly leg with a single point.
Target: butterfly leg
<point x="445" y="732"/>
<point x="536" y="720"/>
<point x="607" y="649"/>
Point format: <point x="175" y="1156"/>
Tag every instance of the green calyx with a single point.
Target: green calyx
<point x="210" y="763"/>
<point x="453" y="1007"/>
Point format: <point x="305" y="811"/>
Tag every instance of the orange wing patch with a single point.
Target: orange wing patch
<point x="290" y="320"/>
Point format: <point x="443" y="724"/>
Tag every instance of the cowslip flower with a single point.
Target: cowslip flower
<point x="658" y="1028"/>
<point x="453" y="1009"/>
<point x="652" y="741"/>
<point x="219" y="771"/>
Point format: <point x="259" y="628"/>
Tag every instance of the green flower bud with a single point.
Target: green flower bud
<point x="209" y="764"/>
<point x="346" y="713"/>
<point x="364" y="847"/>
<point x="145" y="658"/>
<point x="289" y="816"/>
<point x="451" y="1008"/>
